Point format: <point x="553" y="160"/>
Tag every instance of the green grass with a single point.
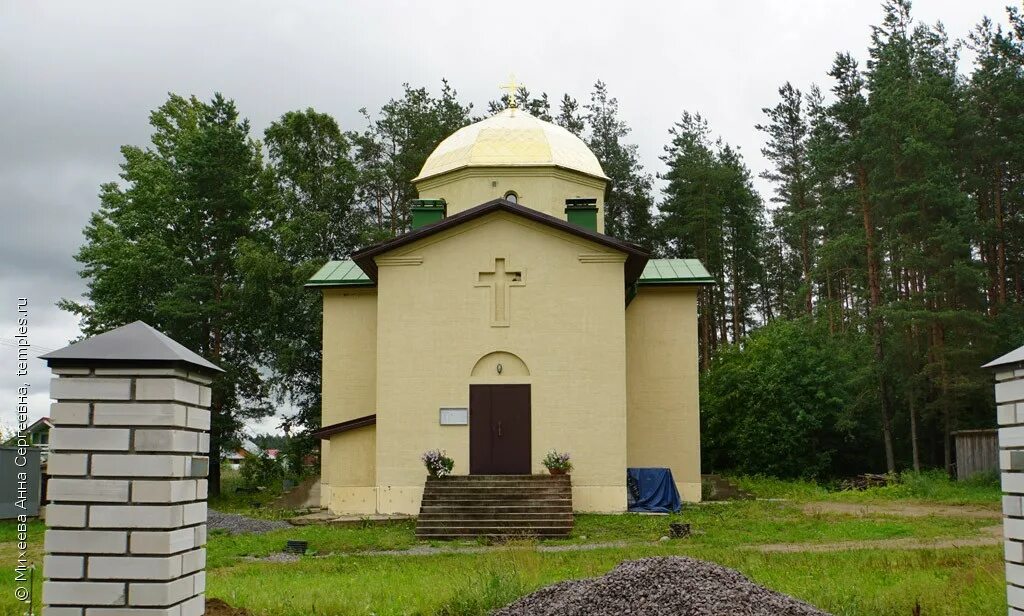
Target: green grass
<point x="9" y="554"/>
<point x="861" y="583"/>
<point x="338" y="577"/>
<point x="930" y="486"/>
<point x="715" y="526"/>
<point x="864" y="582"/>
<point x="224" y="549"/>
<point x="759" y="522"/>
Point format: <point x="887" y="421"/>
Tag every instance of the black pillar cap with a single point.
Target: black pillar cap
<point x="135" y="343"/>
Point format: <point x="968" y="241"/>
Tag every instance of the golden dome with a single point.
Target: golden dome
<point x="511" y="138"/>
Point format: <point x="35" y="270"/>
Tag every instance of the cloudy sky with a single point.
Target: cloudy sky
<point x="77" y="80"/>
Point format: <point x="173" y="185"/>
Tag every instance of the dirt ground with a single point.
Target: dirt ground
<point x="303" y="496"/>
<point x="910" y="510"/>
<point x="216" y="607"/>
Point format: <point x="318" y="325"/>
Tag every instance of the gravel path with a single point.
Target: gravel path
<point x="991" y="535"/>
<point x="655" y="586"/>
<point x="429" y="550"/>
<point x="278" y="557"/>
<point x="235" y="524"/>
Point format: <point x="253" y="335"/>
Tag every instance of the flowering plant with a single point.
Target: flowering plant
<point x="438" y="463"/>
<point x="557" y="462"/>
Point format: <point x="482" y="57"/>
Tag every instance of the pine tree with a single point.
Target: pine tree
<point x="537" y="107"/>
<point x="628" y="199"/>
<point x="162" y="248"/>
<point x="743" y="238"/>
<point x="391" y="152"/>
<point x="850" y="164"/>
<point x="995" y="154"/>
<point x="907" y="184"/>
<point x="788" y="131"/>
<point x="569" y="116"/>
<point x="691" y="220"/>
<point x="911" y="132"/>
<point x="710" y="211"/>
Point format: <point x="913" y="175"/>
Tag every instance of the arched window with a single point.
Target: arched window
<point x="512" y="196"/>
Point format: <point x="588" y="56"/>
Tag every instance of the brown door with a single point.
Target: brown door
<point x="499" y="429"/>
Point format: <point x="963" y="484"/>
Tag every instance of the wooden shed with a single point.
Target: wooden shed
<point x="977" y="451"/>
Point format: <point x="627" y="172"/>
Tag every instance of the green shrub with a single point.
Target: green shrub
<point x="761" y="486"/>
<point x="936" y="485"/>
<point x="261" y="470"/>
<point x="792" y="401"/>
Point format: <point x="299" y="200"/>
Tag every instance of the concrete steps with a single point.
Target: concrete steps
<point x="497" y="506"/>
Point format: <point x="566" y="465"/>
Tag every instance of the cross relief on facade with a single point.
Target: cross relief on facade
<point x="500" y="280"/>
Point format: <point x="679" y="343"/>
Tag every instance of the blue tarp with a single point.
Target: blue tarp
<point x="652" y="490"/>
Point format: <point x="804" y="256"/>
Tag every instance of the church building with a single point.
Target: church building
<point x="504" y="325"/>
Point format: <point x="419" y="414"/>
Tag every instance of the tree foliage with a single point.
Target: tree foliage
<point x="787" y="403"/>
<point x="392" y="150"/>
<point x="313" y="216"/>
<point x="897" y="222"/>
<point x="710" y="211"/>
<point x="163" y="247"/>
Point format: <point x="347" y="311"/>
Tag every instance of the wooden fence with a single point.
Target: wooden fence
<point x="977" y="451"/>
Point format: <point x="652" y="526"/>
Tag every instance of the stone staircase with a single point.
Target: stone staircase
<point x="497" y="506"/>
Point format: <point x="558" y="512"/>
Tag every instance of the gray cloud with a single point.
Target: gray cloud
<point x="78" y="79"/>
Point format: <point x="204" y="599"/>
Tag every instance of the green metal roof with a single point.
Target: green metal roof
<point x="344" y="273"/>
<point x="675" y="271"/>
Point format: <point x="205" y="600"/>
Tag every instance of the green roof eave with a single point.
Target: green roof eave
<point x="675" y="272"/>
<point x="341" y="273"/>
<point x="669" y="282"/>
<point x="347" y="273"/>
<point x="314" y="285"/>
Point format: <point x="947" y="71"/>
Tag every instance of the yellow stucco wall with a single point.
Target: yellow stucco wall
<point x="541" y="188"/>
<point x="352" y="471"/>
<point x="662" y="384"/>
<point x="567" y="325"/>
<point x="615" y="386"/>
<point x="349" y="391"/>
<point x="349" y="354"/>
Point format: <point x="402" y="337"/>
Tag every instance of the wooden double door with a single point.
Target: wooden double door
<point x="499" y="429"/>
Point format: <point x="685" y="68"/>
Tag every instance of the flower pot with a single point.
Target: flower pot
<point x="557" y="471"/>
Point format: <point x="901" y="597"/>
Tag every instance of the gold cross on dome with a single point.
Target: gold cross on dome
<point x="501" y="282"/>
<point x="511" y="87"/>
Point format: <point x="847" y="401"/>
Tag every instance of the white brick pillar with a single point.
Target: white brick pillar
<point x="126" y="517"/>
<point x="1010" y="415"/>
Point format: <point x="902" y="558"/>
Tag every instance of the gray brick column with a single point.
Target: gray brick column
<point x="126" y="518"/>
<point x="1010" y="415"/>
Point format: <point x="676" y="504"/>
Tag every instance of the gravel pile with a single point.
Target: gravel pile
<point x="235" y="524"/>
<point x="661" y="586"/>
